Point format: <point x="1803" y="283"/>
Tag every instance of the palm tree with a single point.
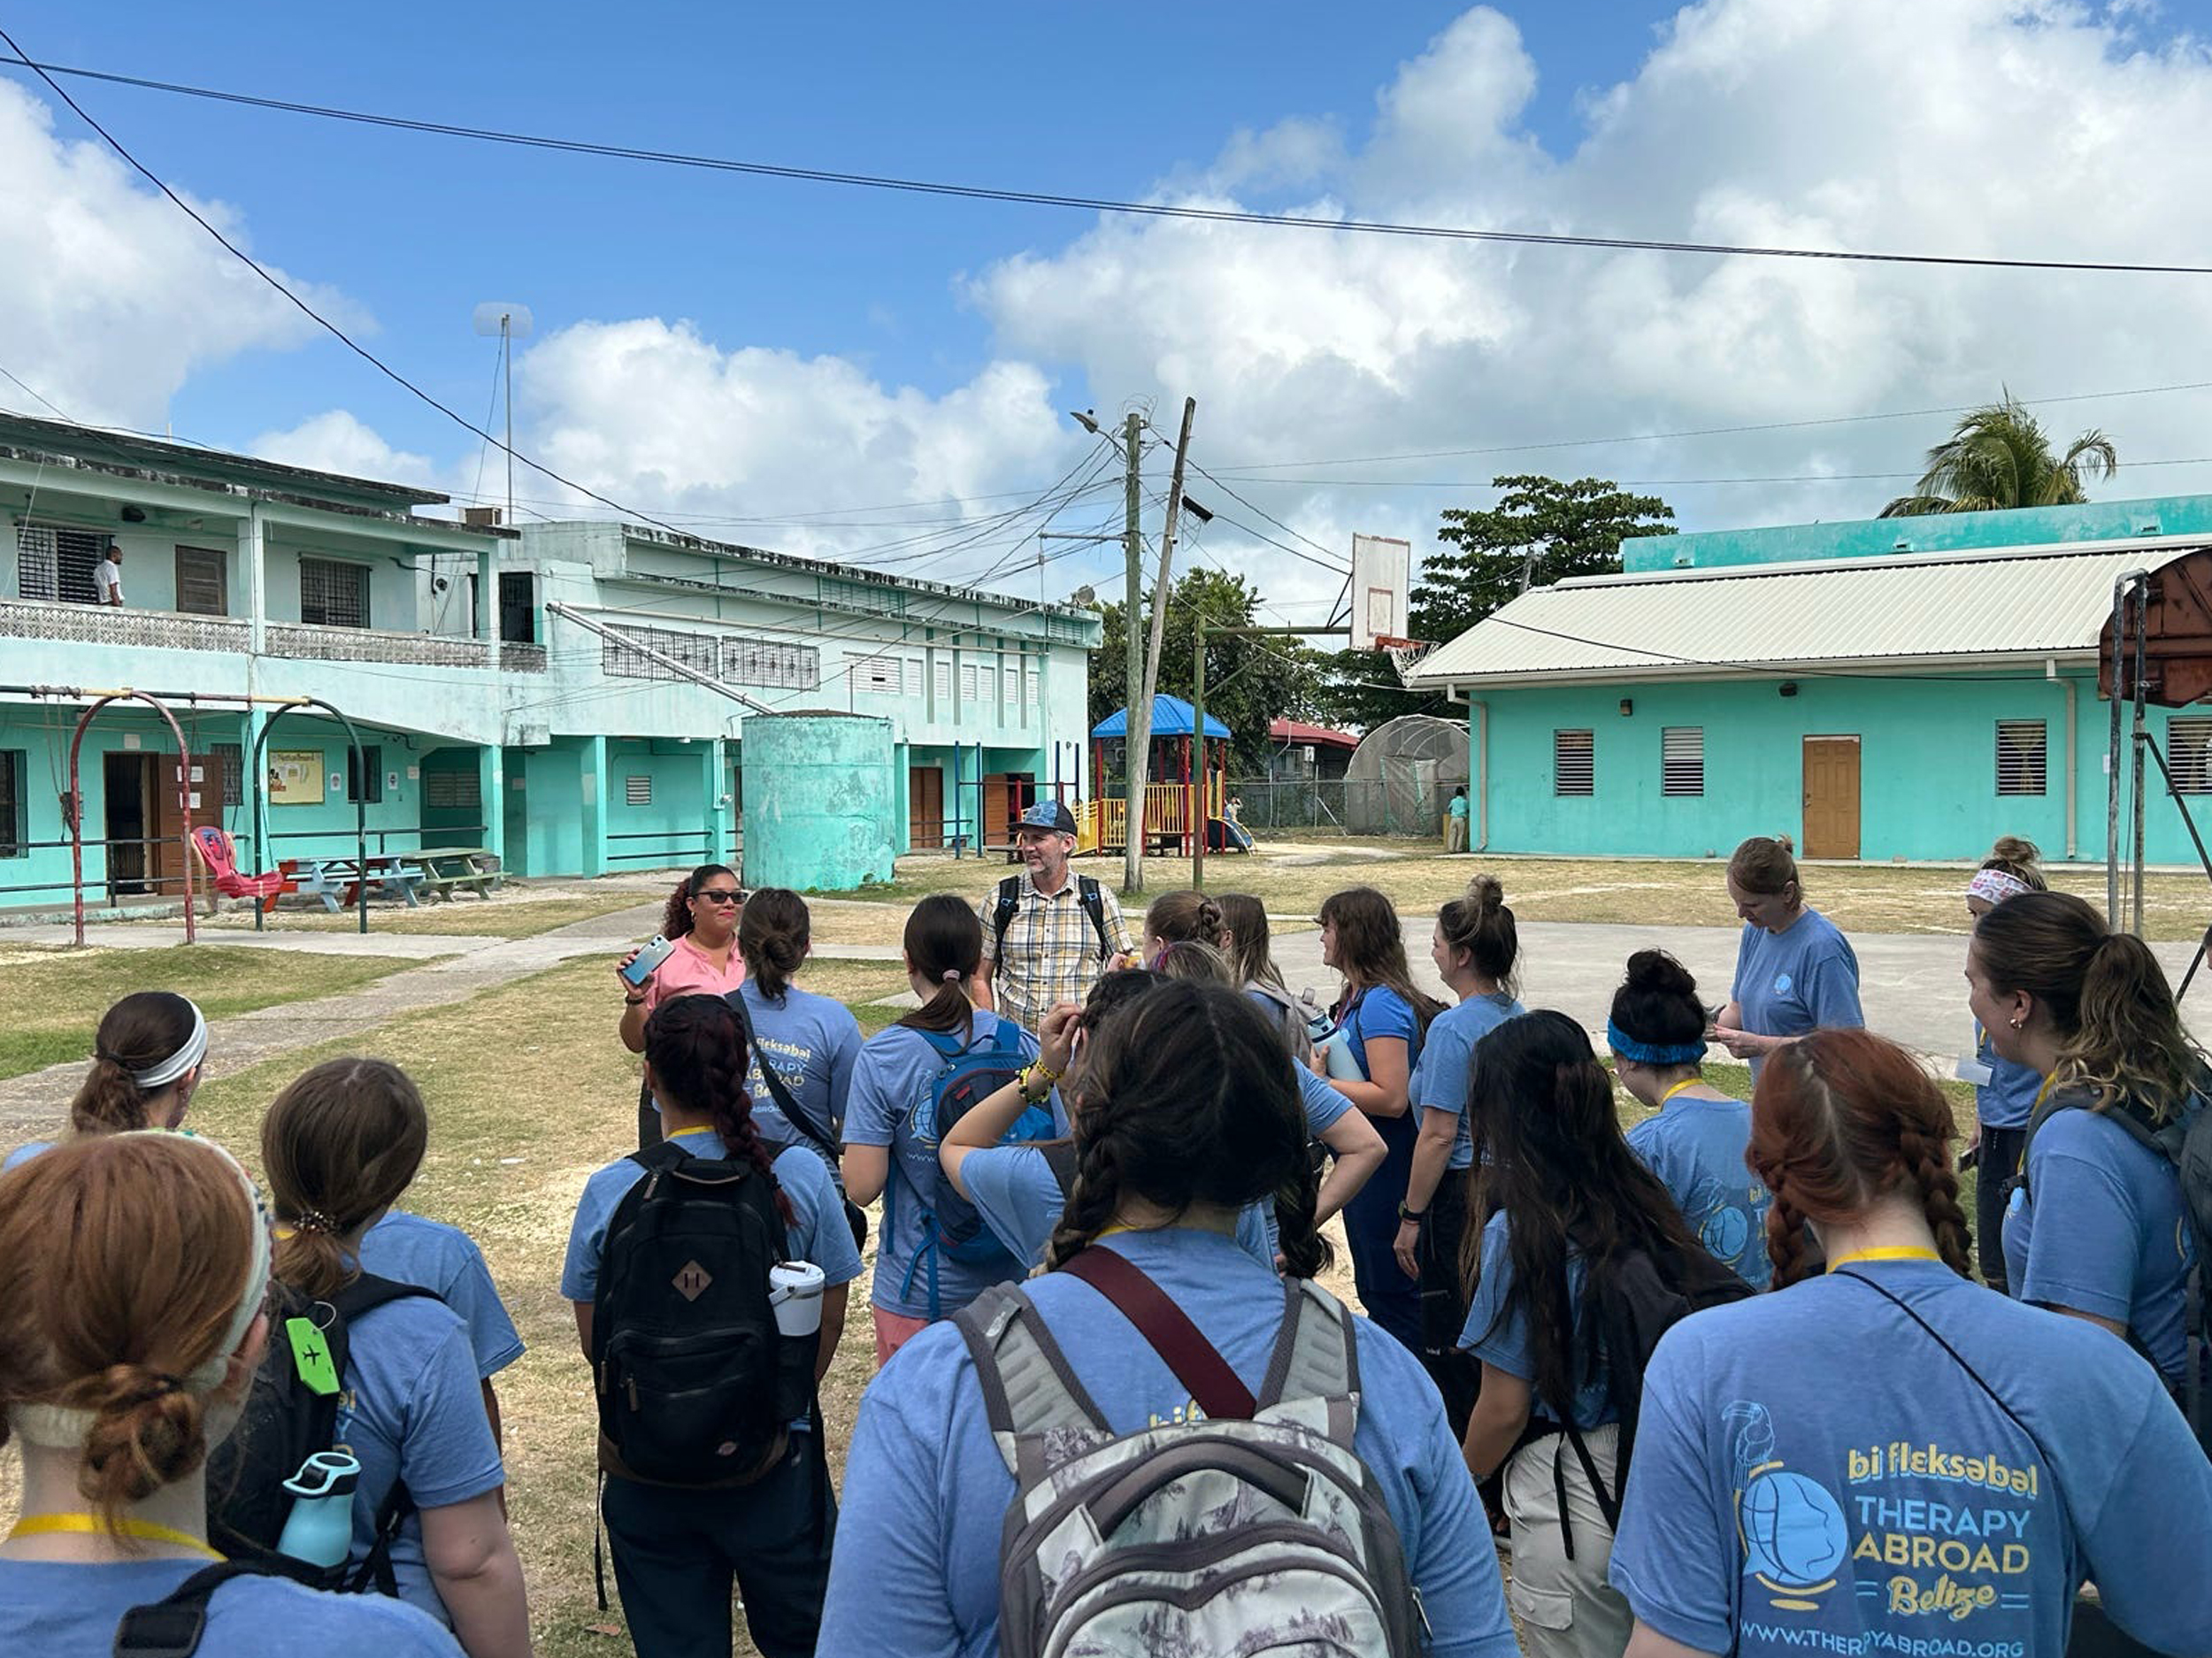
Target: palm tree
<point x="1999" y="456"/>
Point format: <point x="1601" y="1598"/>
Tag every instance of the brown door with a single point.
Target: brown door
<point x="924" y="806"/>
<point x="1832" y="797"/>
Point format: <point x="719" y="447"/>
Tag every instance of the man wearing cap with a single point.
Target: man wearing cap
<point x="1050" y="934"/>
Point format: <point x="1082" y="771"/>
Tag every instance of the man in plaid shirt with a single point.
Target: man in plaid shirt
<point x="1053" y="949"/>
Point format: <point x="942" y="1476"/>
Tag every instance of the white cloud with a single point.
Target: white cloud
<point x="108" y="296"/>
<point x="337" y="442"/>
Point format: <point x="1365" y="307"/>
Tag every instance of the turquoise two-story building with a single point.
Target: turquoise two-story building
<point x="569" y="697"/>
<point x="1891" y="689"/>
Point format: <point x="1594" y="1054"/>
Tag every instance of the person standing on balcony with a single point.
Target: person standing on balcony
<point x="107" y="577"/>
<point x="1049" y="935"/>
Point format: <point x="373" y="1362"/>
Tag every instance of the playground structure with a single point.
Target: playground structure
<point x="1195" y="791"/>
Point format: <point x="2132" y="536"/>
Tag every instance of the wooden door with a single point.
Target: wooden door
<point x="1832" y="797"/>
<point x="924" y="806"/>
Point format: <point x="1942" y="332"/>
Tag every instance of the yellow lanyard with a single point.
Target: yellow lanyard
<point x="1691" y="1083"/>
<point x="1887" y="1252"/>
<point x="85" y="1525"/>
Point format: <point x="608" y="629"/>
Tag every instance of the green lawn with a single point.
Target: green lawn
<point x="56" y="996"/>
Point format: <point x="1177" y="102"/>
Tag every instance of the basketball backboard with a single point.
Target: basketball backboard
<point x="1382" y="568"/>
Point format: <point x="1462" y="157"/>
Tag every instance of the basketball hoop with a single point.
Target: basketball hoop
<point x="1405" y="654"/>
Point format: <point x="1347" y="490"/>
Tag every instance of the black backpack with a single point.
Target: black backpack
<point x="286" y="1422"/>
<point x="1623" y="1319"/>
<point x="1009" y="899"/>
<point x="695" y="1384"/>
<point x="2187" y="1143"/>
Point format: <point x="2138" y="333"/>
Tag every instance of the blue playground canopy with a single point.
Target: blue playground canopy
<point x="1171" y="718"/>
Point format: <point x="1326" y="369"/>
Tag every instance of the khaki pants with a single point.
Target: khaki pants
<point x="1454" y="834"/>
<point x="1564" y="1607"/>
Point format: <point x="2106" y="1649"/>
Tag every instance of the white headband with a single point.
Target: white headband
<point x="195" y="1050"/>
<point x="65" y="1428"/>
<point x="1996" y="885"/>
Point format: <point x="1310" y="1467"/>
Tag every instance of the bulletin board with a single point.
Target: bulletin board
<point x="296" y="777"/>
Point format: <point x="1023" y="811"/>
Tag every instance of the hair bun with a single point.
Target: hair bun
<point x="1485" y="892"/>
<point x="2016" y="849"/>
<point x="1786" y="843"/>
<point x="1657" y="972"/>
<point x="146" y="1433"/>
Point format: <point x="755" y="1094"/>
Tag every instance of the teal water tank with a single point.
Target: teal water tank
<point x="821" y="802"/>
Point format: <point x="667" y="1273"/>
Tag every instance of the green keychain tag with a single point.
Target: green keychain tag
<point x="311" y="1356"/>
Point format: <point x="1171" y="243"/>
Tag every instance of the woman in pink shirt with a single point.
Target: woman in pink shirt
<point x="701" y="921"/>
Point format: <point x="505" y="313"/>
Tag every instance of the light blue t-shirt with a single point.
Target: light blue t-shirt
<point x="413" y="1411"/>
<point x="1806" y="978"/>
<point x="1012" y="1188"/>
<point x="63" y="1609"/>
<point x="445" y="1260"/>
<point x="917" y="1565"/>
<point x="1378" y="1011"/>
<point x="1448" y="1057"/>
<point x="2113" y="1244"/>
<point x="2008" y="1099"/>
<point x="1813" y="1468"/>
<point x="1696" y="1147"/>
<point x="818" y="1233"/>
<point x="1501" y="1337"/>
<point x="895" y="1069"/>
<point x="811" y="1041"/>
<point x="22" y="1155"/>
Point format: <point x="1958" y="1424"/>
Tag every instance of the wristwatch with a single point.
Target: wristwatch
<point x="1415" y="1215"/>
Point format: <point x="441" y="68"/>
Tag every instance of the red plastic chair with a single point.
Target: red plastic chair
<point x="219" y="852"/>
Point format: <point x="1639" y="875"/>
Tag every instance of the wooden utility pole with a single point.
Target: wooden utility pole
<point x="1160" y="588"/>
<point x="1137" y="722"/>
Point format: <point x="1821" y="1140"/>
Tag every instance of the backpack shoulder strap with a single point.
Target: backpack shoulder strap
<point x="173" y="1626"/>
<point x="1028" y="1388"/>
<point x="1316" y="1356"/>
<point x="774" y="1084"/>
<point x="1061" y="1157"/>
<point x="368" y="1292"/>
<point x="1009" y="899"/>
<point x="665" y="1154"/>
<point x="1094" y="901"/>
<point x="1181" y="1346"/>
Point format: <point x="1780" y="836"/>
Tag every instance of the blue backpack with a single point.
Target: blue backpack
<point x="951" y="1226"/>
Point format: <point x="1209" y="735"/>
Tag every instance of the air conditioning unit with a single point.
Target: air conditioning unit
<point x="480" y="517"/>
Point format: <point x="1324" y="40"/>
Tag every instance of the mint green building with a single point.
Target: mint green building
<point x="570" y="697"/>
<point x="1883" y="689"/>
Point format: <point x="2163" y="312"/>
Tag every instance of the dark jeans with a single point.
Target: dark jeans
<point x="1371" y="1227"/>
<point x="1992" y="1184"/>
<point x="676" y="1553"/>
<point x="1457" y="1374"/>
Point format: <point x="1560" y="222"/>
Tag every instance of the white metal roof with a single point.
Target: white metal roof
<point x="1947" y="610"/>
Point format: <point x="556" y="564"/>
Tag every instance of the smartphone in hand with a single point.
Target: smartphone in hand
<point x="648" y="957"/>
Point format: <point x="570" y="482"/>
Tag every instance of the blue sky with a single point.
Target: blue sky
<point x="908" y="348"/>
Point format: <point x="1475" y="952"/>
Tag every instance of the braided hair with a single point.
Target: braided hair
<point x="1841" y="1120"/>
<point x="696" y="1054"/>
<point x="1187" y="1097"/>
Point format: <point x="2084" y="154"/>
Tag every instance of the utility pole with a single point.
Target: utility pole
<point x="1136" y="728"/>
<point x="1161" y="587"/>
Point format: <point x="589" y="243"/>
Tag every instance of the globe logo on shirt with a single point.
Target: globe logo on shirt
<point x="1795" y="1535"/>
<point x="1782" y="983"/>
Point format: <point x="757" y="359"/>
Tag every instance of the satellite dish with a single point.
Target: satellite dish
<point x="498" y="315"/>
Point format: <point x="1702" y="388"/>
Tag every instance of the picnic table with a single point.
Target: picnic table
<point x="445" y="868"/>
<point x="337" y="880"/>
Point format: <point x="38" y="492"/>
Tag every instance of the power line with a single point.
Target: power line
<point x="1659" y="483"/>
<point x="1085" y="204"/>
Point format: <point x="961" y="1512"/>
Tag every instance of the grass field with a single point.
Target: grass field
<point x="56" y="997"/>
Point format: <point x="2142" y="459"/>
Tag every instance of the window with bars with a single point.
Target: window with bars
<point x="452" y="791"/>
<point x="226" y="768"/>
<point x="765" y="661"/>
<point x="695" y="652"/>
<point x="1573" y="762"/>
<point x="15" y="836"/>
<point x="203" y="588"/>
<point x="364" y="773"/>
<point x="333" y="594"/>
<point x="2023" y="752"/>
<point x="2189" y="753"/>
<point x="637" y="791"/>
<point x="55" y="562"/>
<point x="876" y="676"/>
<point x="1682" y="760"/>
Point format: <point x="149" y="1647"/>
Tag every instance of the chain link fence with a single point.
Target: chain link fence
<point x="1408" y="798"/>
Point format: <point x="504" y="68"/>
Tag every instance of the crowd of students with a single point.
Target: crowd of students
<point x="1091" y="1264"/>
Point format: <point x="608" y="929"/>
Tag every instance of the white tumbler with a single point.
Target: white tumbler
<point x="794" y="1290"/>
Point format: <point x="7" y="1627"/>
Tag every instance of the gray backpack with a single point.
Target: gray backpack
<point x="1253" y="1529"/>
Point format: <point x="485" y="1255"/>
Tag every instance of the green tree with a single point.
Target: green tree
<point x="1248" y="681"/>
<point x="1541" y="531"/>
<point x="1999" y="457"/>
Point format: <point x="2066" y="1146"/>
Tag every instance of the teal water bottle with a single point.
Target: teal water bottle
<point x="320" y="1529"/>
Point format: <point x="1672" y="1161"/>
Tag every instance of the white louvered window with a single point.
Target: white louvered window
<point x="940" y="680"/>
<point x="637" y="791"/>
<point x="876" y="676"/>
<point x="914" y="677"/>
<point x="1573" y="762"/>
<point x="967" y="682"/>
<point x="2189" y="753"/>
<point x="1030" y="687"/>
<point x="2023" y="752"/>
<point x="1682" y="760"/>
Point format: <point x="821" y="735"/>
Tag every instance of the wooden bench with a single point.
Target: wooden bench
<point x="445" y="868"/>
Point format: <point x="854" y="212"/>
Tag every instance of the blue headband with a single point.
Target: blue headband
<point x="1626" y="1047"/>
